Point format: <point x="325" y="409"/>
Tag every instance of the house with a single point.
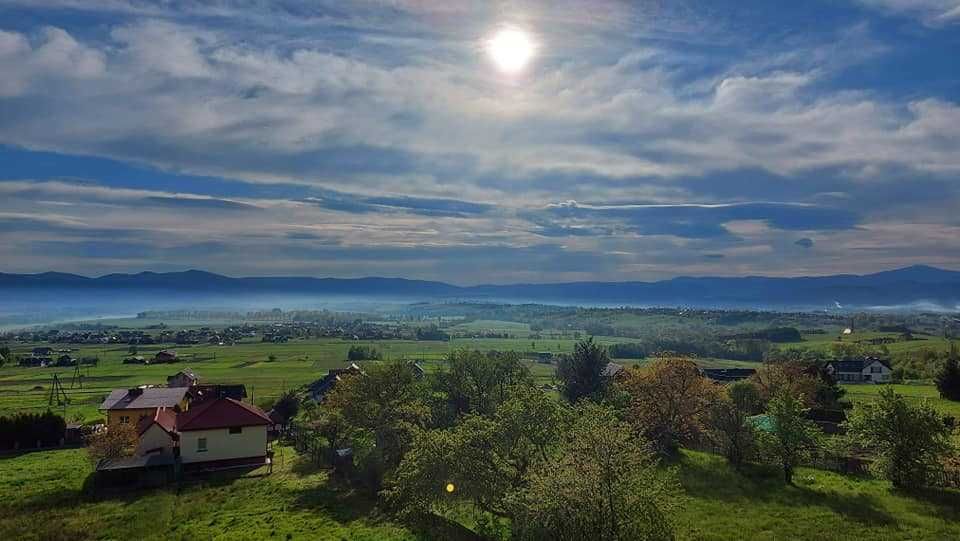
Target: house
<point x="728" y="374"/>
<point x="158" y="434"/>
<point x="224" y="431"/>
<point x="867" y="370"/>
<point x="42" y="352"/>
<point x="131" y="405"/>
<point x="165" y="356"/>
<point x="183" y="378"/>
<point x="319" y="389"/>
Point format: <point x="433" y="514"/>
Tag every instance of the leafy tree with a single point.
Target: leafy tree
<point x="948" y="380"/>
<point x="602" y="483"/>
<point x="481" y="458"/>
<point x="669" y="401"/>
<point x="792" y="437"/>
<point x="286" y="407"/>
<point x="4" y="354"/>
<point x="909" y="439"/>
<point x="581" y="374"/>
<point x="474" y="382"/>
<point x="385" y="404"/>
<point x="363" y="353"/>
<point x="729" y="423"/>
<point x="791" y="378"/>
<point x="118" y="440"/>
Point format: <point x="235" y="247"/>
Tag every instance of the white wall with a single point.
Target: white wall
<point x="153" y="438"/>
<point x="221" y="445"/>
<point x="883" y="375"/>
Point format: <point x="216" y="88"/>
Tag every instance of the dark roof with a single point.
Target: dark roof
<point x="134" y="462"/>
<point x="151" y="397"/>
<point x="221" y="413"/>
<point x="186" y="372"/>
<point x="728" y="374"/>
<point x="236" y="391"/>
<point x="856" y="365"/>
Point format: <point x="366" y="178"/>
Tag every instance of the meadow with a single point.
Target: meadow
<point x="43" y="498"/>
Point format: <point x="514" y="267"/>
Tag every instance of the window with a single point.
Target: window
<point x="236" y="429"/>
<point x="124" y="419"/>
<point x="876" y="370"/>
<point x="201" y="445"/>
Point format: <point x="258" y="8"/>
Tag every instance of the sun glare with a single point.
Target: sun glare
<point x="511" y="50"/>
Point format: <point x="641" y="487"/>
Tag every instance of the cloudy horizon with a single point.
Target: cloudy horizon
<point x="641" y="141"/>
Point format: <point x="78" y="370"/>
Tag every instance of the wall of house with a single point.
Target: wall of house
<point x="113" y="416"/>
<point x="222" y="445"/>
<point x="154" y="438"/>
<point x="881" y="376"/>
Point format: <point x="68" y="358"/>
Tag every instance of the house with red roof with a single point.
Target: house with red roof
<point x="222" y="431"/>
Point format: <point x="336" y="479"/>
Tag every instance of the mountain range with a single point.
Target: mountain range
<point x="918" y="285"/>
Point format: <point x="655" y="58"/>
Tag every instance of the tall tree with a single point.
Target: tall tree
<point x="948" y="379"/>
<point x="581" y="374"/>
<point x="729" y="424"/>
<point x="669" y="402"/>
<point x="792" y="437"/>
<point x="793" y="378"/>
<point x="476" y="382"/>
<point x="909" y="439"/>
<point x="286" y="407"/>
<point x="601" y="484"/>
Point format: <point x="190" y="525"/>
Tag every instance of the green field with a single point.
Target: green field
<point x="42" y="497"/>
<point x="926" y="393"/>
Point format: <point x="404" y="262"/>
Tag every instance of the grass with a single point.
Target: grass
<point x="723" y="504"/>
<point x="916" y="392"/>
<point x="42" y="497"/>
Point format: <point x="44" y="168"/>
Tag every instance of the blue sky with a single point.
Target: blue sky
<point x="644" y="140"/>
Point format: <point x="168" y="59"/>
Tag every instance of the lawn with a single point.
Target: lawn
<point x="722" y="504"/>
<point x="915" y="392"/>
<point x="42" y="498"/>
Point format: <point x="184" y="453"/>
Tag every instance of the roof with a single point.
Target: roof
<point x="221" y="413"/>
<point x="186" y="372"/>
<point x="151" y="397"/>
<point x="856" y="365"/>
<point x="728" y="374"/>
<point x="611" y="370"/>
<point x="236" y="391"/>
<point x="165" y="418"/>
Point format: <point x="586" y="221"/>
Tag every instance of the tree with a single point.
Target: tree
<point x="118" y="440"/>
<point x="948" y="380"/>
<point x="286" y="407"/>
<point x="729" y="423"/>
<point x="480" y="458"/>
<point x="602" y="483"/>
<point x="386" y="404"/>
<point x="669" y="401"/>
<point x="474" y="382"/>
<point x="909" y="439"/>
<point x="791" y="437"/>
<point x="791" y="378"/>
<point x="581" y="374"/>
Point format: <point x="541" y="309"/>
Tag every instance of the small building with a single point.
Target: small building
<point x="867" y="370"/>
<point x="124" y="406"/>
<point x="43" y="352"/>
<point x="183" y="378"/>
<point x="204" y="392"/>
<point x="165" y="356"/>
<point x="318" y="390"/>
<point x="223" y="431"/>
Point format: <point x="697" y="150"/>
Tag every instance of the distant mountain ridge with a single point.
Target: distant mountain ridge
<point x="915" y="284"/>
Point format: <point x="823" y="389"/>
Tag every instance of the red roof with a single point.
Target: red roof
<point x="166" y="418"/>
<point x="221" y="413"/>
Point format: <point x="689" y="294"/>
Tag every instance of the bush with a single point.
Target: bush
<point x="29" y="430"/>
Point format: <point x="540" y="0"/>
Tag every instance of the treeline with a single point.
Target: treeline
<point x="31" y="430"/>
<point x="742" y="349"/>
<point x="364" y="353"/>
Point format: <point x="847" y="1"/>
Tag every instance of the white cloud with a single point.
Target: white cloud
<point x="933" y="12"/>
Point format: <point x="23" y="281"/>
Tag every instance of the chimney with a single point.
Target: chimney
<point x="136" y="391"/>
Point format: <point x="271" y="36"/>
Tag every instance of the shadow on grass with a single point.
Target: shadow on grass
<point x="339" y="500"/>
<point x="716" y="480"/>
<point x="946" y="501"/>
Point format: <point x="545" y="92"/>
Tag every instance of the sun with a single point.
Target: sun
<point x="511" y="50"/>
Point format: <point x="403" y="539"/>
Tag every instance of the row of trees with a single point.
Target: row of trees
<point x="29" y="430"/>
<point x="479" y="432"/>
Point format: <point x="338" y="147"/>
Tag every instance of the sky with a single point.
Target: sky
<point x="641" y="140"/>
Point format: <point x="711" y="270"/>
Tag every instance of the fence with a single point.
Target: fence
<point x="820" y="460"/>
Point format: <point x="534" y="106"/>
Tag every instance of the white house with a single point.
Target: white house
<point x="158" y="434"/>
<point x="223" y="430"/>
<point x="868" y="370"/>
